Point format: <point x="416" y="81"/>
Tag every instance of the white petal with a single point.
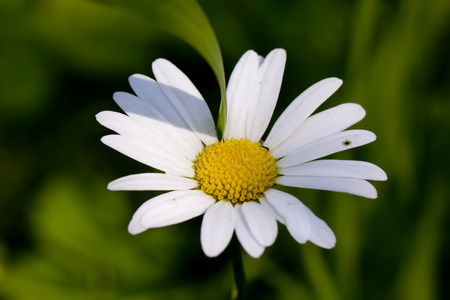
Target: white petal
<point x="217" y="228"/>
<point x="120" y="123"/>
<point x="321" y="234"/>
<point x="170" y="208"/>
<point x="261" y="58"/>
<point x="152" y="182"/>
<point x="261" y="222"/>
<point x="157" y="124"/>
<point x="150" y="155"/>
<point x="126" y="126"/>
<point x="186" y="98"/>
<point x="242" y="90"/>
<point x="260" y="112"/>
<point x="353" y="186"/>
<point x="263" y="200"/>
<point x="248" y="242"/>
<point x="151" y="93"/>
<point x="336" y="168"/>
<point x="300" y="109"/>
<point x="320" y="125"/>
<point x="149" y="90"/>
<point x="328" y="145"/>
<point x="293" y="211"/>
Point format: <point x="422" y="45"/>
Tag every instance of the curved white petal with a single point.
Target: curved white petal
<point x="152" y="182"/>
<point x="120" y="123"/>
<point x="154" y="122"/>
<point x="217" y="228"/>
<point x="320" y="125"/>
<point x="150" y="155"/>
<point x="261" y="222"/>
<point x="336" y="168"/>
<point x="300" y="109"/>
<point x="248" y="242"/>
<point x="149" y="90"/>
<point x="353" y="186"/>
<point x="151" y="93"/>
<point x="168" y="209"/>
<point x="126" y="126"/>
<point x="186" y="98"/>
<point x="263" y="200"/>
<point x="293" y="211"/>
<point x="270" y="75"/>
<point x="328" y="145"/>
<point x="321" y="235"/>
<point x="242" y="90"/>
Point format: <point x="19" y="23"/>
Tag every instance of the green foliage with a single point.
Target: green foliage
<point x="84" y="251"/>
<point x="63" y="234"/>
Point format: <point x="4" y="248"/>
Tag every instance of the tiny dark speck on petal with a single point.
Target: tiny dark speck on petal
<point x="347" y="143"/>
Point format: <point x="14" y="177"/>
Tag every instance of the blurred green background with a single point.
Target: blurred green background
<point x="63" y="235"/>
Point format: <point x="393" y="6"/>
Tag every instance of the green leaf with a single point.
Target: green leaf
<point x="186" y="20"/>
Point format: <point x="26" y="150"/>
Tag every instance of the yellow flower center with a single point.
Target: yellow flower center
<point x="235" y="170"/>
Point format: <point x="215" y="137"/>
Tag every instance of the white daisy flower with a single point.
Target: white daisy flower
<point x="168" y="126"/>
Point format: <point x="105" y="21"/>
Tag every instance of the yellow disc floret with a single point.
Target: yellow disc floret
<point x="235" y="170"/>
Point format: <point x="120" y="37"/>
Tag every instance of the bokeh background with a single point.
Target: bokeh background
<point x="63" y="235"/>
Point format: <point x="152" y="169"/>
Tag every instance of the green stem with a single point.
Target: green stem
<point x="238" y="270"/>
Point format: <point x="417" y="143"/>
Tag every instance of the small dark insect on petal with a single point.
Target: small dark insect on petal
<point x="346" y="143"/>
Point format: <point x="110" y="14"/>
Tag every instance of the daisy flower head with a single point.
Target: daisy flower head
<point x="232" y="181"/>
